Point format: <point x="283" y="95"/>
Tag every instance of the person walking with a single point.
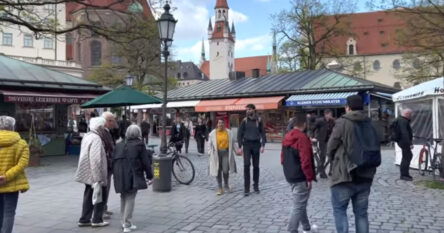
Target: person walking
<point x="92" y="171"/>
<point x="178" y="134"/>
<point x="251" y="139"/>
<point x="354" y="150"/>
<point x="123" y="125"/>
<point x="201" y="135"/>
<point x="321" y="131"/>
<point x="298" y="164"/>
<point x="404" y="139"/>
<point x="221" y="150"/>
<point x="109" y="144"/>
<point x="189" y="130"/>
<point x="14" y="154"/>
<point x="131" y="169"/>
<point x="145" y="127"/>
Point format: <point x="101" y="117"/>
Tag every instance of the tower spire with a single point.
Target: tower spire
<point x="202" y="53"/>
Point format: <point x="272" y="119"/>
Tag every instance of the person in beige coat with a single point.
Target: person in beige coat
<point x="221" y="150"/>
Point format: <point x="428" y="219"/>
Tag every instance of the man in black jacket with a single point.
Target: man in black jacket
<point x="322" y="129"/>
<point x="404" y="139"/>
<point x="251" y="139"/>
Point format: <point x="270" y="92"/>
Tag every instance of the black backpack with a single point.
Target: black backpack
<point x="291" y="164"/>
<point x="366" y="148"/>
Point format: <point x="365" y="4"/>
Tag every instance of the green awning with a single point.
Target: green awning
<point x="122" y="96"/>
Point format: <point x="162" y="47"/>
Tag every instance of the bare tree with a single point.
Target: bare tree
<point x="38" y="16"/>
<point x="306" y="31"/>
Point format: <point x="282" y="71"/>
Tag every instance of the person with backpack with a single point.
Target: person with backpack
<point x="403" y="136"/>
<point x="251" y="139"/>
<point x="355" y="152"/>
<point x="298" y="163"/>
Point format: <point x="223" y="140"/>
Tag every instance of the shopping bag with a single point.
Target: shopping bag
<point x="97" y="193"/>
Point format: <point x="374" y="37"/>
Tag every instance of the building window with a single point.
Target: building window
<point x="365" y="33"/>
<point x="69" y="39"/>
<point x="48" y="43"/>
<point x="351" y="49"/>
<point x="351" y="46"/>
<point x="96" y="53"/>
<point x="28" y="41"/>
<point x="381" y="32"/>
<point x="185" y="74"/>
<point x="255" y="73"/>
<point x="396" y="64"/>
<point x="7" y="39"/>
<point x="376" y="65"/>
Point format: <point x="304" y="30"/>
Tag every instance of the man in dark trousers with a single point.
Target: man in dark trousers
<point x="404" y="139"/>
<point x="109" y="144"/>
<point x="251" y="139"/>
<point x="322" y="130"/>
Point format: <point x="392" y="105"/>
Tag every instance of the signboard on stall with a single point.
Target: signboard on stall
<point x="317" y="102"/>
<point x="44" y="99"/>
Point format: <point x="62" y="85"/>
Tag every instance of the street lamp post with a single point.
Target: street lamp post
<point x="166" y="24"/>
<point x="162" y="164"/>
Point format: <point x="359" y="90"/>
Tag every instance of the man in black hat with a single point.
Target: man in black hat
<point x="350" y="181"/>
<point x="251" y="139"/>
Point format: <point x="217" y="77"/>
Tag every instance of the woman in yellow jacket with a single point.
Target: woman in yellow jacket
<point x="14" y="156"/>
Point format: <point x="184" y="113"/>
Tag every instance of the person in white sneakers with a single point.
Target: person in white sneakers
<point x="298" y="164"/>
<point x="131" y="170"/>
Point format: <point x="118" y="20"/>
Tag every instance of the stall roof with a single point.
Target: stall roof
<point x="303" y="82"/>
<point x="20" y="74"/>
<point x="429" y="88"/>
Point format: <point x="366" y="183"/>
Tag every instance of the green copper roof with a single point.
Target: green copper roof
<point x="15" y="73"/>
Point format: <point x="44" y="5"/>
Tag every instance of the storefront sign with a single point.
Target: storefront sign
<point x="316" y="102"/>
<point x="44" y="99"/>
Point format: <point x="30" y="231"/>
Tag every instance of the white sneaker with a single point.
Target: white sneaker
<point x="129" y="229"/>
<point x="100" y="224"/>
<point x="314" y="229"/>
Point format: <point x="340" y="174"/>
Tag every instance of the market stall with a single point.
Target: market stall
<point x="426" y="100"/>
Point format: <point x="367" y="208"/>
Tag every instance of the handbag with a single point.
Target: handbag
<point x="97" y="193"/>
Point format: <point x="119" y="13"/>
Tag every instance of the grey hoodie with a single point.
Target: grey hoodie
<point x="340" y="142"/>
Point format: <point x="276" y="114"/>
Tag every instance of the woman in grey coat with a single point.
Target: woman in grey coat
<point x="131" y="169"/>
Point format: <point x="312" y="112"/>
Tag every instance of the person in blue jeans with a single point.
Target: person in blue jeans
<point x="349" y="182"/>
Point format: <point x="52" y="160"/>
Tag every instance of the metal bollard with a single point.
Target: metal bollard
<point x="162" y="173"/>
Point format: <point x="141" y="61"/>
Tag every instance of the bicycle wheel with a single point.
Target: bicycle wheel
<point x="423" y="161"/>
<point x="183" y="169"/>
<point x="436" y="165"/>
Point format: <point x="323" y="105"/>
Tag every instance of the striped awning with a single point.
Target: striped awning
<point x="337" y="98"/>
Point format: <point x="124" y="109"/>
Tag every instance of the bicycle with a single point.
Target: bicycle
<point x="435" y="158"/>
<point x="182" y="167"/>
<point x="317" y="158"/>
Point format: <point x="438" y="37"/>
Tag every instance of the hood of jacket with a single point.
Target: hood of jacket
<point x="356" y="116"/>
<point x="292" y="137"/>
<point x="8" y="138"/>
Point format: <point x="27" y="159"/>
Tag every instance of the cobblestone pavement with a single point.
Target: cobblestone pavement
<point x="53" y="204"/>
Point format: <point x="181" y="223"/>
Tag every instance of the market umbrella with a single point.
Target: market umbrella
<point x="121" y="96"/>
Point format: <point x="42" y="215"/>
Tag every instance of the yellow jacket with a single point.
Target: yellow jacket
<point x="14" y="156"/>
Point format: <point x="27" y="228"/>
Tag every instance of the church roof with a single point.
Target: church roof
<point x="221" y="4"/>
<point x="375" y="33"/>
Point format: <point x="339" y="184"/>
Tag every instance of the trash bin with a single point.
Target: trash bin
<point x="162" y="173"/>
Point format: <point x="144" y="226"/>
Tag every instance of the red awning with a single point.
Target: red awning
<point x="45" y="97"/>
<point x="226" y="105"/>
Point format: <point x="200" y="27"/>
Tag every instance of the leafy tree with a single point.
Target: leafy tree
<point x="306" y="31"/>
